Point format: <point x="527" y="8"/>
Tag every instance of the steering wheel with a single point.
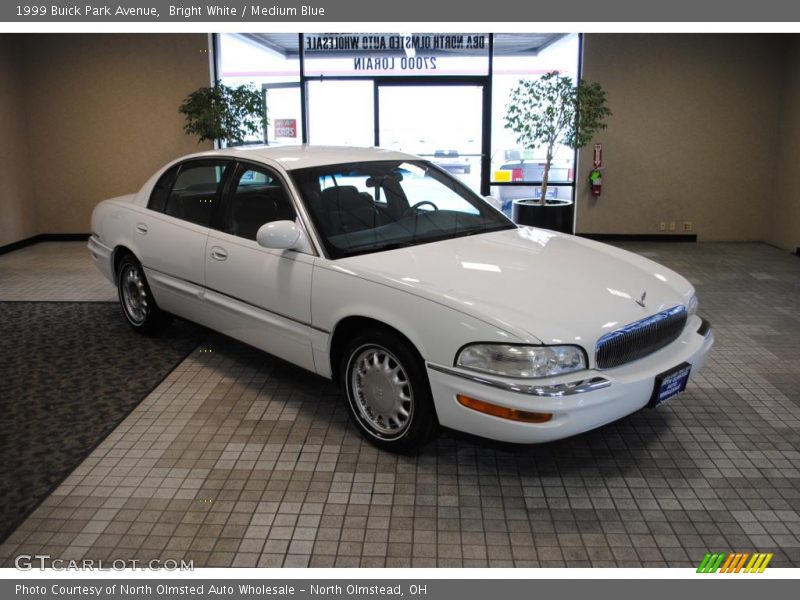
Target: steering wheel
<point x="415" y="207"/>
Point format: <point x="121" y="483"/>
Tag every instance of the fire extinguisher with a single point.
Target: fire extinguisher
<point x="596" y="182"/>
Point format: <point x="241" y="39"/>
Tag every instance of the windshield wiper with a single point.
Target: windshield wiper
<point x="477" y="231"/>
<point x="393" y="245"/>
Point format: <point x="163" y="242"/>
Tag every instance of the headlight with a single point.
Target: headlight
<point x="691" y="308"/>
<point x="522" y="361"/>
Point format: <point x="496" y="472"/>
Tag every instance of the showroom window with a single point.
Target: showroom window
<point x="395" y="54"/>
<point x="439" y="96"/>
<point x="270" y="61"/>
<point x="341" y="113"/>
<point x="516" y="172"/>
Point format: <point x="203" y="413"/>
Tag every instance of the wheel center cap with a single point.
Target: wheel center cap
<point x="380" y="392"/>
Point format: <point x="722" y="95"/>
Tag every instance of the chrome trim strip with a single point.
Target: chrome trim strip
<point x="244" y="302"/>
<point x="545" y="391"/>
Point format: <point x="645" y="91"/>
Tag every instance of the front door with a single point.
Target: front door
<point x="441" y="122"/>
<point x="259" y="295"/>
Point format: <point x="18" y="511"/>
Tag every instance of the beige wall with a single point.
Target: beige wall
<point x="17" y="214"/>
<point x="693" y="136"/>
<point x="784" y="222"/>
<point x="93" y="116"/>
<point x="105" y="116"/>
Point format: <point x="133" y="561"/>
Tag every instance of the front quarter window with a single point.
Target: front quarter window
<point x="365" y="207"/>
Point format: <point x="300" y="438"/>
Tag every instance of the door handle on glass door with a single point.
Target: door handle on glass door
<point x="218" y="253"/>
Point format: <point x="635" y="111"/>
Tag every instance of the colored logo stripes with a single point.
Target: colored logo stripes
<point x="734" y="563"/>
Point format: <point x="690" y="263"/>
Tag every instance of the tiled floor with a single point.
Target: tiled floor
<point x="55" y="409"/>
<point x="53" y="271"/>
<point x="240" y="459"/>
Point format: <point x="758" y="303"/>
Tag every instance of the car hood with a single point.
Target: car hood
<point x="537" y="285"/>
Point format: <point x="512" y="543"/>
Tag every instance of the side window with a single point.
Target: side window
<point x="195" y="193"/>
<point x="257" y="197"/>
<point x="158" y="198"/>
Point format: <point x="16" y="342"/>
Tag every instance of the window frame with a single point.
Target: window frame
<point x="241" y="167"/>
<point x="174" y="172"/>
<point x="331" y="252"/>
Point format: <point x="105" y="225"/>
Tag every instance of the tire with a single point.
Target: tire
<point x="387" y="391"/>
<point x="137" y="302"/>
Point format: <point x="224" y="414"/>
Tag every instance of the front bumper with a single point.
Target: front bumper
<point x="599" y="397"/>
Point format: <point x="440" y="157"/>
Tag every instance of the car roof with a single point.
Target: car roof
<point x="302" y="156"/>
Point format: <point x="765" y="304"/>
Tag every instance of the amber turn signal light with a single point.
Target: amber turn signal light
<point x="504" y="413"/>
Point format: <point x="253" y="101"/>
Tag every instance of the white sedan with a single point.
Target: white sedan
<point x="383" y="272"/>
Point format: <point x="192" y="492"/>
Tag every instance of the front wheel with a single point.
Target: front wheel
<point x="138" y="305"/>
<point x="387" y="391"/>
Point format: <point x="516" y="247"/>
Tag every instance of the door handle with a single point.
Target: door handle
<point x="218" y="253"/>
<point x="141" y="228"/>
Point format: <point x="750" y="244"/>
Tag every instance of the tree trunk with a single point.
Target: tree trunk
<point x="546" y="174"/>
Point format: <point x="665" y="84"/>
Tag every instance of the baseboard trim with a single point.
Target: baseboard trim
<point x="44" y="237"/>
<point x="639" y="237"/>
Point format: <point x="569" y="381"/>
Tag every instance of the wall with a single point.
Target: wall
<point x="693" y="136"/>
<point x="784" y="223"/>
<point x="18" y="220"/>
<point x="103" y="116"/>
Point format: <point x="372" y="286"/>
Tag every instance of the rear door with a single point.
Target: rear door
<point x="174" y="230"/>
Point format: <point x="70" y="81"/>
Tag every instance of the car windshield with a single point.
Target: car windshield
<point x="364" y="207"/>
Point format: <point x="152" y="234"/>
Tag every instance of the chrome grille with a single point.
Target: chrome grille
<point x="641" y="338"/>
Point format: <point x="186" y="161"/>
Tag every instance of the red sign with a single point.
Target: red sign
<point x="598" y="156"/>
<point x="286" y="128"/>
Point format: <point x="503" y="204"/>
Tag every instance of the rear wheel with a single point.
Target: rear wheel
<point x="138" y="305"/>
<point x="387" y="391"/>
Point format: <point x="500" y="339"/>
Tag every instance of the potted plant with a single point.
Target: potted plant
<point x="225" y="114"/>
<point x="545" y="113"/>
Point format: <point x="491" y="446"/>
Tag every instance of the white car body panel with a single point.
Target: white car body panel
<point x="519" y="286"/>
<point x="416" y="317"/>
<point x="270" y="306"/>
<point x="546" y="287"/>
<point x="172" y="252"/>
<point x="630" y="389"/>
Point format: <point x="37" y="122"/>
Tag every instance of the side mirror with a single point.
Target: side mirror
<point x="279" y="235"/>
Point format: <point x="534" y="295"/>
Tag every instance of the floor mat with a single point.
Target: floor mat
<point x="71" y="372"/>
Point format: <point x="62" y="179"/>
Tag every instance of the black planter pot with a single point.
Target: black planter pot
<point x="555" y="215"/>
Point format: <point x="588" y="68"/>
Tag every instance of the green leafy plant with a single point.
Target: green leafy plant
<point x="225" y="113"/>
<point x="552" y="110"/>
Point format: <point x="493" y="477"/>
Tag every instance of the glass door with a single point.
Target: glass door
<point x="442" y="123"/>
<point x="340" y="113"/>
